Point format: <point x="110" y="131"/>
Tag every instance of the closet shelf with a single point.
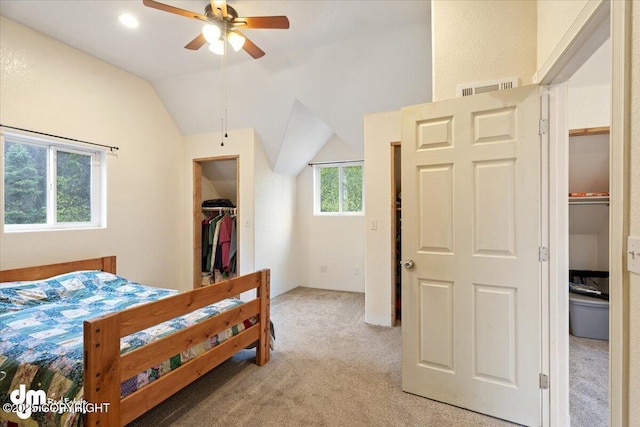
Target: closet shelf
<point x="602" y="130"/>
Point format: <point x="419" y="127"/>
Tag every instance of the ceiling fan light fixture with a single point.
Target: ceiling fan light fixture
<point x="211" y="32"/>
<point x="217" y="47"/>
<point x="218" y="13"/>
<point x="128" y="20"/>
<point x="235" y="40"/>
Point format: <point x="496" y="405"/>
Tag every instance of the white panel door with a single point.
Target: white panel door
<point x="471" y="224"/>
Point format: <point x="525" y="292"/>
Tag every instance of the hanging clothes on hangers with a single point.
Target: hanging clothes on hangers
<point x="222" y="263"/>
<point x="216" y="253"/>
<point x="233" y="247"/>
<point x="219" y="239"/>
<point x="205" y="245"/>
<point x="212" y="240"/>
<point x="224" y="241"/>
<point x="204" y="248"/>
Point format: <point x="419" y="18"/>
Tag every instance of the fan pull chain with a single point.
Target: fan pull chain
<point x="223" y="118"/>
<point x="223" y="101"/>
<point x="221" y="126"/>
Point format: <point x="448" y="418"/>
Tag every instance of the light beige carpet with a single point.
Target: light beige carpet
<point x="588" y="382"/>
<point x="329" y="368"/>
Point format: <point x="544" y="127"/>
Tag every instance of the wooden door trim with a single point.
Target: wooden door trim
<point x="394" y="264"/>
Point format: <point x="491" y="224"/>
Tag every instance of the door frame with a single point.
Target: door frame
<point x="556" y="319"/>
<point x="197" y="212"/>
<point x="580" y="41"/>
<point x="395" y="266"/>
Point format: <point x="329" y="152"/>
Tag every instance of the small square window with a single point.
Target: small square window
<point x="338" y="189"/>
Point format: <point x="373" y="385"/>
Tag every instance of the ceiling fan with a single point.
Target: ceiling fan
<point x="222" y="22"/>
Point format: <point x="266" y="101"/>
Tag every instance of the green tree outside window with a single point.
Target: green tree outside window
<point x="30" y="200"/>
<point x="339" y="189"/>
<point x="74" y="187"/>
<point x="25" y="178"/>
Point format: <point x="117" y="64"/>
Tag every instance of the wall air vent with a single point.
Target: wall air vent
<point x="486" y="86"/>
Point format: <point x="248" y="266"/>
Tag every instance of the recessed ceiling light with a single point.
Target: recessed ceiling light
<point x="128" y="20"/>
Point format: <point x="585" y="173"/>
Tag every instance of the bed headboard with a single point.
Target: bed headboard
<point x="107" y="263"/>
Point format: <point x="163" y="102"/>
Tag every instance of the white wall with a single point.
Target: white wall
<point x="589" y="237"/>
<point x="589" y="93"/>
<point x="209" y="190"/>
<point x="468" y="47"/>
<point x="336" y="242"/>
<point x="275" y="224"/>
<point x="554" y="18"/>
<point x="53" y="88"/>
<point x="219" y="180"/>
<point x="380" y="129"/>
<point x="589" y="163"/>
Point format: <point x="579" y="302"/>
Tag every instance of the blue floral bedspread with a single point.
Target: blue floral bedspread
<point x="41" y="331"/>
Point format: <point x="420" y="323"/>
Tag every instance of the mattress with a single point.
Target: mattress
<point x="41" y="333"/>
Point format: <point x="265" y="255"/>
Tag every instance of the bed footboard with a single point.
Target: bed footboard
<point x="105" y="368"/>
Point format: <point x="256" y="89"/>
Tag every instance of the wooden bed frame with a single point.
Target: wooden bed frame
<point x="105" y="368"/>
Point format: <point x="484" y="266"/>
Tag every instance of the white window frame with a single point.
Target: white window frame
<point x="54" y="145"/>
<point x="316" y="188"/>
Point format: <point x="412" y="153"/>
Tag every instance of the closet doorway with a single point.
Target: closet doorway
<point x="396" y="228"/>
<point x="589" y="235"/>
<point x="589" y="275"/>
<point x="213" y="178"/>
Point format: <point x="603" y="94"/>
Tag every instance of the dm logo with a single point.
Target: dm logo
<point x="26" y="399"/>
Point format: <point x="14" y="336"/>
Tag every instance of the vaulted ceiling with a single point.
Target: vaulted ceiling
<point x="340" y="59"/>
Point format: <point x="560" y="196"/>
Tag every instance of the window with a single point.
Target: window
<point x="51" y="185"/>
<point x="338" y="189"/>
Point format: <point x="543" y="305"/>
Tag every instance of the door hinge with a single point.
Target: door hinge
<point x="544" y="381"/>
<point x="543" y="254"/>
<point x="543" y="127"/>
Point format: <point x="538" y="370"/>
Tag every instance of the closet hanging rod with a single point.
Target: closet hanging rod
<point x="588" y="203"/>
<point x="588" y="200"/>
<point x="218" y="208"/>
<point x="110" y="147"/>
<point x="336" y="162"/>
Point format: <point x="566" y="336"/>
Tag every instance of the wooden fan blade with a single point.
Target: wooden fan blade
<point x="277" y="22"/>
<point x="196" y="43"/>
<point x="171" y="9"/>
<point x="219" y="4"/>
<point x="251" y="48"/>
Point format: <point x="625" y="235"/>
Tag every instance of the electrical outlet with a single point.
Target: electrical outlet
<point x="374" y="224"/>
<point x="356" y="271"/>
<point x="324" y="269"/>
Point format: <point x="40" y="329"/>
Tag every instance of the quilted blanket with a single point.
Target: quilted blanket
<point x="41" y="330"/>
